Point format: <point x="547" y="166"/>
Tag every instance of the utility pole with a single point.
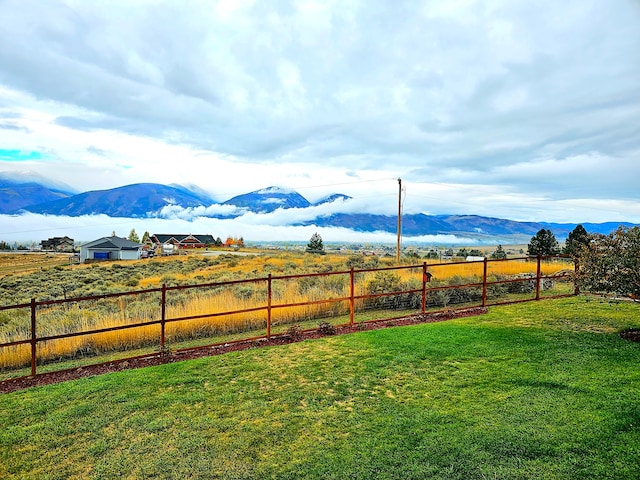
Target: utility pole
<point x="399" y="220"/>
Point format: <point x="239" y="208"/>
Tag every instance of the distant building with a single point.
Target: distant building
<point x="182" y="240"/>
<point x="57" y="244"/>
<point x="110" y="248"/>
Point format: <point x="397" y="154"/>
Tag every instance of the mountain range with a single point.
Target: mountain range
<point x="32" y="193"/>
<point x="20" y="190"/>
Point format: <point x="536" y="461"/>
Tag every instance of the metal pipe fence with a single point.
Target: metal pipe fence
<point x="406" y="290"/>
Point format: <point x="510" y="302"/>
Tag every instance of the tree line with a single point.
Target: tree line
<point x="605" y="263"/>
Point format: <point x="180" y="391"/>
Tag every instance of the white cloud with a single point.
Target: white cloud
<point x="532" y="104"/>
<point x="192" y="213"/>
<point x="30" y="228"/>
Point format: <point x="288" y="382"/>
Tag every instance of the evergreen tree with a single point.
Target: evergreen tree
<point x="145" y="237"/>
<point x="543" y="243"/>
<point x="499" y="253"/>
<point x="315" y="244"/>
<point x="577" y="240"/>
<point x="133" y="236"/>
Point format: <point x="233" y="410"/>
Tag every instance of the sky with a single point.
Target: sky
<point x="513" y="109"/>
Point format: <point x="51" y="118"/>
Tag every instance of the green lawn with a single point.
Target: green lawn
<point x="537" y="390"/>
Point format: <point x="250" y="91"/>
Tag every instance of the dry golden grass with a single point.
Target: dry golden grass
<point x="197" y="302"/>
<point x="508" y="267"/>
<point x="20" y="263"/>
<point x="257" y="265"/>
<point x="16" y="356"/>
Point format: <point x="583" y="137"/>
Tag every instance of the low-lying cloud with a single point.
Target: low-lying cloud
<point x="30" y="228"/>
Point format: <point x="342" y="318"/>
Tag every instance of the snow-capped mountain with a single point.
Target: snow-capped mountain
<point x="133" y="201"/>
<point x="146" y="200"/>
<point x="269" y="199"/>
<point x="21" y="189"/>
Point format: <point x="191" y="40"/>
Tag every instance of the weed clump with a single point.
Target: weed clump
<point x="326" y="328"/>
<point x="294" y="332"/>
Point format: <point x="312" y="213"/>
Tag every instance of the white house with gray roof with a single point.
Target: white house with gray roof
<point x="110" y="248"/>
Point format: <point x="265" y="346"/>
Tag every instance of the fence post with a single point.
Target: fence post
<point x="352" y="288"/>
<point x="424" y="287"/>
<point x="538" y="270"/>
<point x="269" y="307"/>
<point x="163" y="316"/>
<point x="484" y="283"/>
<point x="33" y="337"/>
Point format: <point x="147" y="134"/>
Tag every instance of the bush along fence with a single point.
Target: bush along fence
<point x="60" y="333"/>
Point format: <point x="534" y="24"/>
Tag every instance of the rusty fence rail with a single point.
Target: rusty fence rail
<point x="426" y="296"/>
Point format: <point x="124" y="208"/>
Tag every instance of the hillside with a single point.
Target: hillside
<point x="19" y="190"/>
<point x="138" y="200"/>
<point x="145" y="200"/>
<point x="269" y="199"/>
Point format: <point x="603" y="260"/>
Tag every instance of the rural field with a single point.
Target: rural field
<point x="21" y="263"/>
<point x="537" y="390"/>
<point x="329" y="280"/>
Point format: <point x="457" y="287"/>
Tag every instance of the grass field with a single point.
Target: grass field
<point x="115" y="277"/>
<point x="538" y="390"/>
<point x="22" y="263"/>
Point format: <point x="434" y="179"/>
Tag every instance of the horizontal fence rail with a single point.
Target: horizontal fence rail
<point x="428" y="288"/>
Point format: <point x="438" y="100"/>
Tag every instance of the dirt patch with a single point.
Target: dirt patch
<point x="187" y="354"/>
<point x="631" y="335"/>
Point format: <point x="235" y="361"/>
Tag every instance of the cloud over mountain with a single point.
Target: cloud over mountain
<point x="271" y="209"/>
<point x="521" y="110"/>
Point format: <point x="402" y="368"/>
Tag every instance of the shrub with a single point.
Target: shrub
<point x="440" y="298"/>
<point x="133" y="280"/>
<point x="294" y="332"/>
<point x="384" y="282"/>
<point x="169" y="280"/>
<point x="243" y="292"/>
<point x="372" y="262"/>
<point x="335" y="283"/>
<point x="356" y="261"/>
<point x="611" y="263"/>
<point x="307" y="283"/>
<point x="326" y="328"/>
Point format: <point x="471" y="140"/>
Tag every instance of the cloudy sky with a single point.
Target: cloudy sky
<point x="516" y="109"/>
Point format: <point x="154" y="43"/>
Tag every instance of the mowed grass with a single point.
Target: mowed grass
<point x="537" y="390"/>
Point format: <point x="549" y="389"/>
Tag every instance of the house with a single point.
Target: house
<point x="110" y="248"/>
<point x="57" y="244"/>
<point x="182" y="240"/>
